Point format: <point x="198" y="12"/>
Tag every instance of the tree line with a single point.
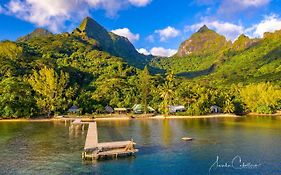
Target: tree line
<point x="38" y="78"/>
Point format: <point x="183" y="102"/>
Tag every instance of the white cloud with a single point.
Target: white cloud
<point x="113" y="6"/>
<point x="150" y="39"/>
<point x="268" y="24"/>
<point x="127" y="33"/>
<point x="167" y="33"/>
<point x="229" y="30"/>
<point x="143" y="51"/>
<point x="244" y="3"/>
<point x="160" y="51"/>
<point x="47" y="13"/>
<point x="231" y="7"/>
<point x="252" y="3"/>
<point x="54" y="14"/>
<point x="110" y="6"/>
<point x="139" y="3"/>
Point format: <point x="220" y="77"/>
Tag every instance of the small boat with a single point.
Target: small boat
<point x="187" y="138"/>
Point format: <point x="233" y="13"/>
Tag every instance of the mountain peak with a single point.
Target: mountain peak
<point x="89" y="28"/>
<point x="88" y="21"/>
<point x="243" y="42"/>
<point x="89" y="24"/>
<point x="203" y="42"/>
<point x="38" y="32"/>
<point x="41" y="30"/>
<point x="114" y="44"/>
<point x="243" y="36"/>
<point x="203" y="29"/>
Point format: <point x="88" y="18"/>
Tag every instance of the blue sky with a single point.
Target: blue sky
<point x="153" y="26"/>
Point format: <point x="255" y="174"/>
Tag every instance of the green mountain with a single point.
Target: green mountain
<point x="243" y="42"/>
<point x="89" y="28"/>
<point x="206" y="56"/>
<point x="39" y="32"/>
<point x="44" y="73"/>
<point x="256" y="60"/>
<point x="203" y="42"/>
<point x="197" y="55"/>
<point x="107" y="41"/>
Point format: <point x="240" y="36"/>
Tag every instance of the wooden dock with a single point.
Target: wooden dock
<point x="92" y="137"/>
<point x="94" y="150"/>
<point x="77" y="125"/>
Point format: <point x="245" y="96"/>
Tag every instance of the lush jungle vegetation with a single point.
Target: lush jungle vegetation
<point x="245" y="61"/>
<point x="47" y="74"/>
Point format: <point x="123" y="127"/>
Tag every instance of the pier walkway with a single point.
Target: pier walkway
<point x="92" y="137"/>
<point x="94" y="150"/>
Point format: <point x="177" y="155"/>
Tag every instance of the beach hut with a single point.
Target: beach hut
<point x="215" y="109"/>
<point x="176" y="108"/>
<point x="121" y="110"/>
<point x="138" y="109"/>
<point x="108" y="109"/>
<point x="74" y="110"/>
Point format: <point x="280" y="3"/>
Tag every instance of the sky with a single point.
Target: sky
<point x="155" y="27"/>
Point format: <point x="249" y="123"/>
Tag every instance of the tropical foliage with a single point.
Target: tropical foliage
<point x="46" y="74"/>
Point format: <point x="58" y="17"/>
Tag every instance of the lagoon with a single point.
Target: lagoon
<point x="246" y="145"/>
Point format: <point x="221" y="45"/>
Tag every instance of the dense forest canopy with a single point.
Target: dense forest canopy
<point x="45" y="74"/>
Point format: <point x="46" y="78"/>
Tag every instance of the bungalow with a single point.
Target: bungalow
<point x="176" y="108"/>
<point x="74" y="110"/>
<point x="121" y="110"/>
<point x="215" y="109"/>
<point x="138" y="109"/>
<point x="108" y="109"/>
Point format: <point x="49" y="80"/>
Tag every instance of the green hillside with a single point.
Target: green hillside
<point x="203" y="42"/>
<point x="36" y="33"/>
<point x="75" y="69"/>
<point x="196" y="56"/>
<point x="259" y="62"/>
<point x="46" y="74"/>
<point x="246" y="60"/>
<point x="43" y="74"/>
<point x="107" y="41"/>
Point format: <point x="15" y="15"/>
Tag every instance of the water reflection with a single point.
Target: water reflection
<point x="167" y="133"/>
<point x="50" y="148"/>
<point x="145" y="131"/>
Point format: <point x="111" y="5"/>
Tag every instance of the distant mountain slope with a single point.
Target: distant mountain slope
<point x="258" y="63"/>
<point x="39" y="32"/>
<point x="203" y="42"/>
<point x="198" y="53"/>
<point x="243" y="42"/>
<point x="208" y="57"/>
<point x="110" y="42"/>
<point x="96" y="35"/>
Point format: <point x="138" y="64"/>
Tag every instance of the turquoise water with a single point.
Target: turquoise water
<point x="49" y="148"/>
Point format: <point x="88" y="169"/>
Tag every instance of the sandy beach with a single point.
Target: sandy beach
<point x="196" y="117"/>
<point x="114" y="118"/>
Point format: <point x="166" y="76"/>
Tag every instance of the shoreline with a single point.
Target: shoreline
<point x="255" y="114"/>
<point x="85" y="118"/>
<point x="198" y="117"/>
<point x="123" y="118"/>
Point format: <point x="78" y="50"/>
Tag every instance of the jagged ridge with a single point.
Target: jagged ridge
<point x="110" y="42"/>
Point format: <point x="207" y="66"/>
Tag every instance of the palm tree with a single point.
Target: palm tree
<point x="145" y="88"/>
<point x="167" y="92"/>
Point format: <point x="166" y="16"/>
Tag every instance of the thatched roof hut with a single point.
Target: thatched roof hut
<point x="138" y="109"/>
